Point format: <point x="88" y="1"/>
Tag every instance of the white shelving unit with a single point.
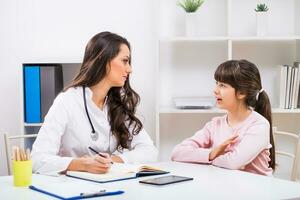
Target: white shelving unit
<point x="32" y="124"/>
<point x="227" y="30"/>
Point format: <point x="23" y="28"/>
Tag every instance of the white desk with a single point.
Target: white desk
<point x="209" y="183"/>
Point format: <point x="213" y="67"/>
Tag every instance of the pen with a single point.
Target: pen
<point x="87" y="195"/>
<point x="93" y="150"/>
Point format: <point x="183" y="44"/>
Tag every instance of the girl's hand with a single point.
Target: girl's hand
<point x="222" y="148"/>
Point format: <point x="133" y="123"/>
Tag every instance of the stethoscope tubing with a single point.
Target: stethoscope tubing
<point x="87" y="112"/>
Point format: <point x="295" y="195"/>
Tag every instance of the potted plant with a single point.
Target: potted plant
<point x="190" y="7"/>
<point x="261" y="19"/>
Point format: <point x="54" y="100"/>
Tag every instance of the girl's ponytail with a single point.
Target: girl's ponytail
<point x="263" y="107"/>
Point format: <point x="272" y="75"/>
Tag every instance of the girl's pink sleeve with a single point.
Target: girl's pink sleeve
<point x="255" y="140"/>
<point x="194" y="149"/>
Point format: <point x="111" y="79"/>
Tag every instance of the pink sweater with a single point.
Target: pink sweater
<point x="250" y="152"/>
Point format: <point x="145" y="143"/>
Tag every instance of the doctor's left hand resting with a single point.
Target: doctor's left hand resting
<point x="96" y="110"/>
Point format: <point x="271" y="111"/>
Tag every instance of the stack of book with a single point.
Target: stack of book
<point x="289" y="86"/>
<point x="42" y="83"/>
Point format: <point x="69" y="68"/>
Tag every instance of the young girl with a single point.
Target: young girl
<point x="242" y="139"/>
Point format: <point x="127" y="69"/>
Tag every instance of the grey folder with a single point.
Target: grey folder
<point x="51" y="79"/>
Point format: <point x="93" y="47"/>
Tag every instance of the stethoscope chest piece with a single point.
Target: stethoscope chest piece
<point x="94" y="136"/>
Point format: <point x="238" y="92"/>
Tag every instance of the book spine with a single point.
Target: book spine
<point x="51" y="85"/>
<point x="295" y="87"/>
<point x="32" y="95"/>
<point x="297" y="98"/>
<point x="292" y="87"/>
<point x="59" y="84"/>
<point x="288" y="87"/>
<point x="282" y="86"/>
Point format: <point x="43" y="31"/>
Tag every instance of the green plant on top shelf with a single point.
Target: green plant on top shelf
<point x="261" y="8"/>
<point x="191" y="6"/>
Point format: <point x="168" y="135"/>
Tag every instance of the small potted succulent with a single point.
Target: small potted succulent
<point x="190" y="7"/>
<point x="261" y="19"/>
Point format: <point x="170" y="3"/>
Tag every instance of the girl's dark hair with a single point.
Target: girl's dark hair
<point x="121" y="101"/>
<point x="244" y="77"/>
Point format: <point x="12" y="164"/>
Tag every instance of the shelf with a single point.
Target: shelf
<point x="172" y="110"/>
<point x="179" y="39"/>
<point x="281" y="110"/>
<point x="268" y="38"/>
<point x="32" y="124"/>
<point x="63" y="60"/>
<point x="226" y="38"/>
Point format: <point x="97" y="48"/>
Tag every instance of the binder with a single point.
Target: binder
<point x="51" y="84"/>
<point x="42" y="83"/>
<point x="32" y="94"/>
<point x="64" y="192"/>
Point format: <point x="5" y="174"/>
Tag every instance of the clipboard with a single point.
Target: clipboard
<point x="82" y="195"/>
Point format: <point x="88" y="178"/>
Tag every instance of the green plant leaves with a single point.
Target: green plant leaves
<point x="261" y="8"/>
<point x="191" y="5"/>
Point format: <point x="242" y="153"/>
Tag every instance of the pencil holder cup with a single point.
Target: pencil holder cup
<point x="22" y="173"/>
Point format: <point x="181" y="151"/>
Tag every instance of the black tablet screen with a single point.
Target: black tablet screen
<point x="166" y="180"/>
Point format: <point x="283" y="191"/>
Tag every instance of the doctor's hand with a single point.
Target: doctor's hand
<point x="94" y="164"/>
<point x="222" y="148"/>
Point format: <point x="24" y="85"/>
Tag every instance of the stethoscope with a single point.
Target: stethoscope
<point x="94" y="133"/>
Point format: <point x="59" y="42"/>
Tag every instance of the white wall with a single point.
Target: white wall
<point x="57" y="31"/>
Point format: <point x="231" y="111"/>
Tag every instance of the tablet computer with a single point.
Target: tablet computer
<point x="164" y="180"/>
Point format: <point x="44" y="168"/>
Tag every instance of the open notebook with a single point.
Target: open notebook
<point x="118" y="172"/>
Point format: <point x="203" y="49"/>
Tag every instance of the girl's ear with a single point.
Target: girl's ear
<point x="240" y="95"/>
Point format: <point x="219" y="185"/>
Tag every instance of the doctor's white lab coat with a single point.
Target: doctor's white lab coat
<point x="66" y="134"/>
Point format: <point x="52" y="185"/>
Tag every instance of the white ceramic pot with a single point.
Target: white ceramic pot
<point x="191" y="24"/>
<point x="262" y="23"/>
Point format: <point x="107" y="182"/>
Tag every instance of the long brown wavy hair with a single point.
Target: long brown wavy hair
<point x="244" y="77"/>
<point x="121" y="101"/>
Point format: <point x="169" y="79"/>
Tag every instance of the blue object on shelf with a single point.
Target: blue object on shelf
<point x="32" y="94"/>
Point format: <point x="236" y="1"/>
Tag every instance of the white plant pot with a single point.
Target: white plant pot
<point x="191" y="24"/>
<point x="262" y="23"/>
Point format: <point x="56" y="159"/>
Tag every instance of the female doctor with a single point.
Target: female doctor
<point x="97" y="110"/>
